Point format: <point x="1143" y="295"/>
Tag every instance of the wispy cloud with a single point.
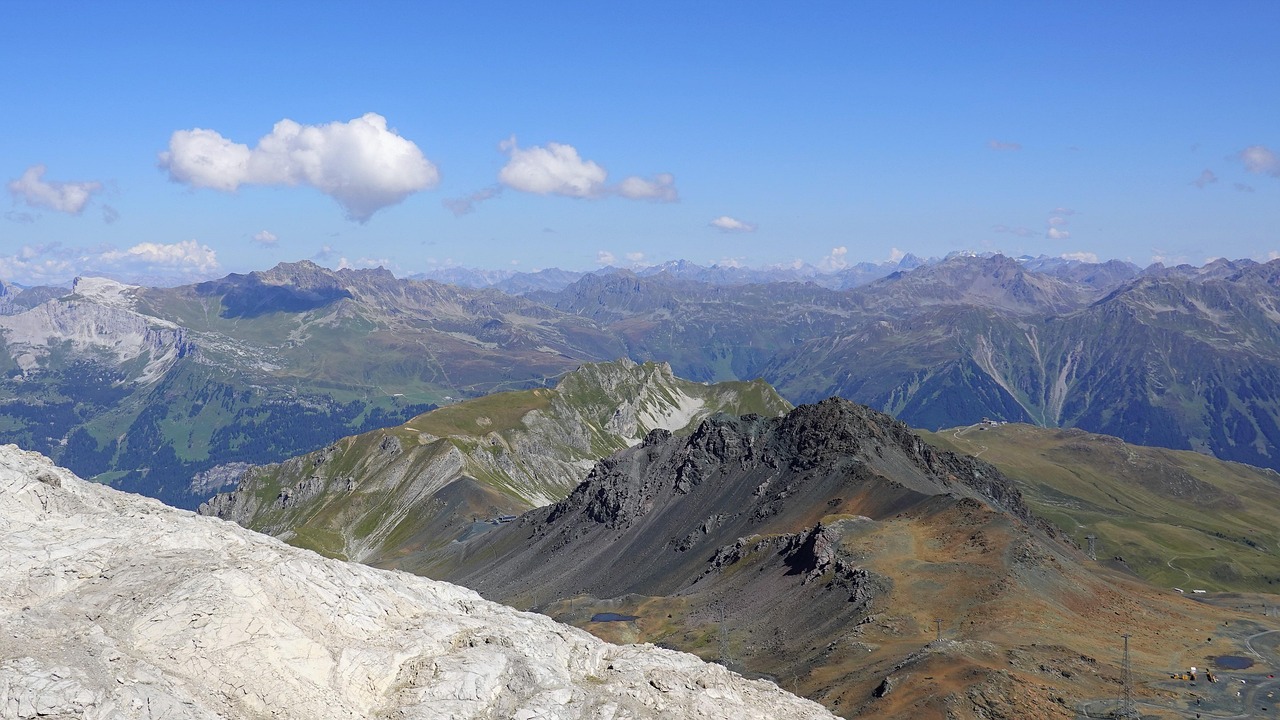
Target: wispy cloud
<point x="361" y="164"/>
<point x="1018" y="230"/>
<point x="1086" y="257"/>
<point x="325" y="253"/>
<point x="727" y="224"/>
<point x="1206" y="178"/>
<point x="64" y="197"/>
<point x="467" y="204"/>
<point x="1001" y="145"/>
<point x="661" y="188"/>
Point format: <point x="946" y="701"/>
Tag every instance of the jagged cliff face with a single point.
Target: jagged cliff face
<point x="116" y="606"/>
<point x="380" y="495"/>
<point x="646" y="520"/>
<point x="98" y="319"/>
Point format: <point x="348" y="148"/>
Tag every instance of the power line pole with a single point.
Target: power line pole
<point x="938" y="622"/>
<point x="1127" y="709"/>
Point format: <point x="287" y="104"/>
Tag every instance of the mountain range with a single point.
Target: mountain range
<point x="146" y="388"/>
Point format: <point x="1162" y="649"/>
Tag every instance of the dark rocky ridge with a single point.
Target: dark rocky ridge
<point x="649" y="520"/>
<point x="809" y="546"/>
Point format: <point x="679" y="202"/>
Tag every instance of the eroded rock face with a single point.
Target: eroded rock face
<point x="116" y="606"/>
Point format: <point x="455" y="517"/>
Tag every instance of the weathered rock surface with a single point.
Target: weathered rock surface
<point x="116" y="606"/>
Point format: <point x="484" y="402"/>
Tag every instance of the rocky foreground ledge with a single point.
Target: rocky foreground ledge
<point x="116" y="606"/>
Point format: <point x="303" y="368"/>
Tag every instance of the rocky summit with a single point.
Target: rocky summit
<point x="116" y="606"/>
<point x="835" y="550"/>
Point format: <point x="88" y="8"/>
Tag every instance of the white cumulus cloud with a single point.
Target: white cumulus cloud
<point x="265" y="238"/>
<point x="361" y="164"/>
<point x="552" y="170"/>
<point x="1260" y="159"/>
<point x="635" y="258"/>
<point x="1056" y="233"/>
<point x="66" y="197"/>
<point x="186" y="255"/>
<point x="724" y="223"/>
<point x="558" y="169"/>
<point x="604" y="257"/>
<point x="836" y="260"/>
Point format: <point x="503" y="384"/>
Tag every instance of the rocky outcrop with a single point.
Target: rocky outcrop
<point x="772" y="541"/>
<point x="92" y="326"/>
<point x="522" y="450"/>
<point x="119" y="607"/>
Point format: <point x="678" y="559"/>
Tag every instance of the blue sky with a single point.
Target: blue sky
<point x="184" y="140"/>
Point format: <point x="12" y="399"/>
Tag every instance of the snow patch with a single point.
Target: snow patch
<point x="670" y="417"/>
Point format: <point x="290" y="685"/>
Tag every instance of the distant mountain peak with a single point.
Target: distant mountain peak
<point x="105" y="291"/>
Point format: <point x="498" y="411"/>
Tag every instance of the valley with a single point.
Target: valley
<point x="829" y="550"/>
<point x="496" y="440"/>
<point x="146" y="387"/>
<point x="640" y="361"/>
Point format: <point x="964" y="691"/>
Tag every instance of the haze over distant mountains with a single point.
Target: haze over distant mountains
<point x="146" y="387"/>
<point x="553" y="279"/>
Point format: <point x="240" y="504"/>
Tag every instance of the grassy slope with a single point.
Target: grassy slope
<point x="486" y="431"/>
<point x="1177" y="518"/>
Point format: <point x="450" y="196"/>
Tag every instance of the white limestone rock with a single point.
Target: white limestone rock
<point x="116" y="606"/>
